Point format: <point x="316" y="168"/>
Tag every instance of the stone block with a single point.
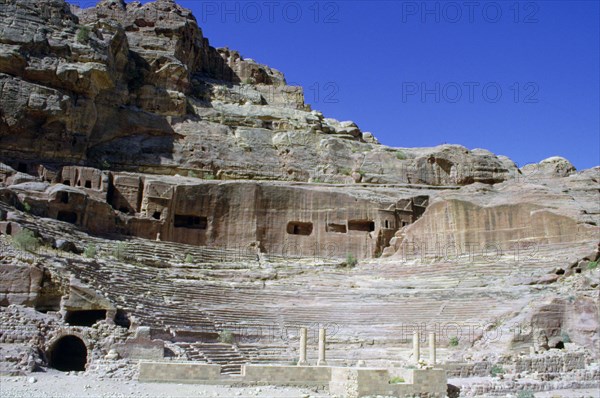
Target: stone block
<point x="178" y="372"/>
<point x="287" y="375"/>
<point x="21" y="284"/>
<point x="362" y="382"/>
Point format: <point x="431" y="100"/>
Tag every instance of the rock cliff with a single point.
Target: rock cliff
<point x="138" y="87"/>
<point x="177" y="191"/>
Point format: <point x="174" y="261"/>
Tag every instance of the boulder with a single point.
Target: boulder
<point x="21" y="284"/>
<point x="67" y="246"/>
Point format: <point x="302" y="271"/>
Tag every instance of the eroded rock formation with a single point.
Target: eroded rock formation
<point x="137" y="87"/>
<point x="180" y="191"/>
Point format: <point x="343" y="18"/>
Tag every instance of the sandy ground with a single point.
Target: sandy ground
<point x="583" y="393"/>
<point x="57" y="384"/>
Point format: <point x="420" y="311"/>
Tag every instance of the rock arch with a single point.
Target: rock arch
<point x="68" y="351"/>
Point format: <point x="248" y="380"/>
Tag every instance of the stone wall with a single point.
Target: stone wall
<point x="551" y="362"/>
<point x="287" y="375"/>
<point x="126" y="193"/>
<point x="141" y="346"/>
<point x="346" y="382"/>
<point x="580" y="379"/>
<point x="178" y="372"/>
<point x="362" y="382"/>
<point x="431" y="382"/>
<point x="474" y="369"/>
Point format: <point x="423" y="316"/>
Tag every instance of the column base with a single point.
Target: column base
<point x="321" y="363"/>
<point x="302" y="363"/>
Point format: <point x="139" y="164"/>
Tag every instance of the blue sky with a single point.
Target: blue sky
<point x="518" y="78"/>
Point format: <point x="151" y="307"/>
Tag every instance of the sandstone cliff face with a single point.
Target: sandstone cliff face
<point x="71" y="83"/>
<point x="122" y="122"/>
<point x="137" y="87"/>
<point x="540" y="210"/>
<point x="276" y="218"/>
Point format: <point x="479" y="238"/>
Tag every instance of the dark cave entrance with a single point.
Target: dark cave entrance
<point x="361" y="225"/>
<point x="122" y="319"/>
<point x="84" y="318"/>
<point x="560" y="345"/>
<point x="67" y="216"/>
<point x="299" y="228"/>
<point x="192" y="222"/>
<point x="69" y="353"/>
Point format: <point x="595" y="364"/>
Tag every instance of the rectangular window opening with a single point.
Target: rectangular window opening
<point x="339" y="228"/>
<point x="189" y="221"/>
<point x="64" y="197"/>
<point x="361" y="225"/>
<point x="67" y="216"/>
<point x="299" y="228"/>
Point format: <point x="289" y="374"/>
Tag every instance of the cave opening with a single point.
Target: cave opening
<point x="339" y="228"/>
<point x="69" y="353"/>
<point x="191" y="222"/>
<point x="121" y="319"/>
<point x="67" y="216"/>
<point x="299" y="228"/>
<point x="84" y="317"/>
<point x="361" y="225"/>
<point x="64" y="197"/>
<point x="46" y="304"/>
<point x="560" y="345"/>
